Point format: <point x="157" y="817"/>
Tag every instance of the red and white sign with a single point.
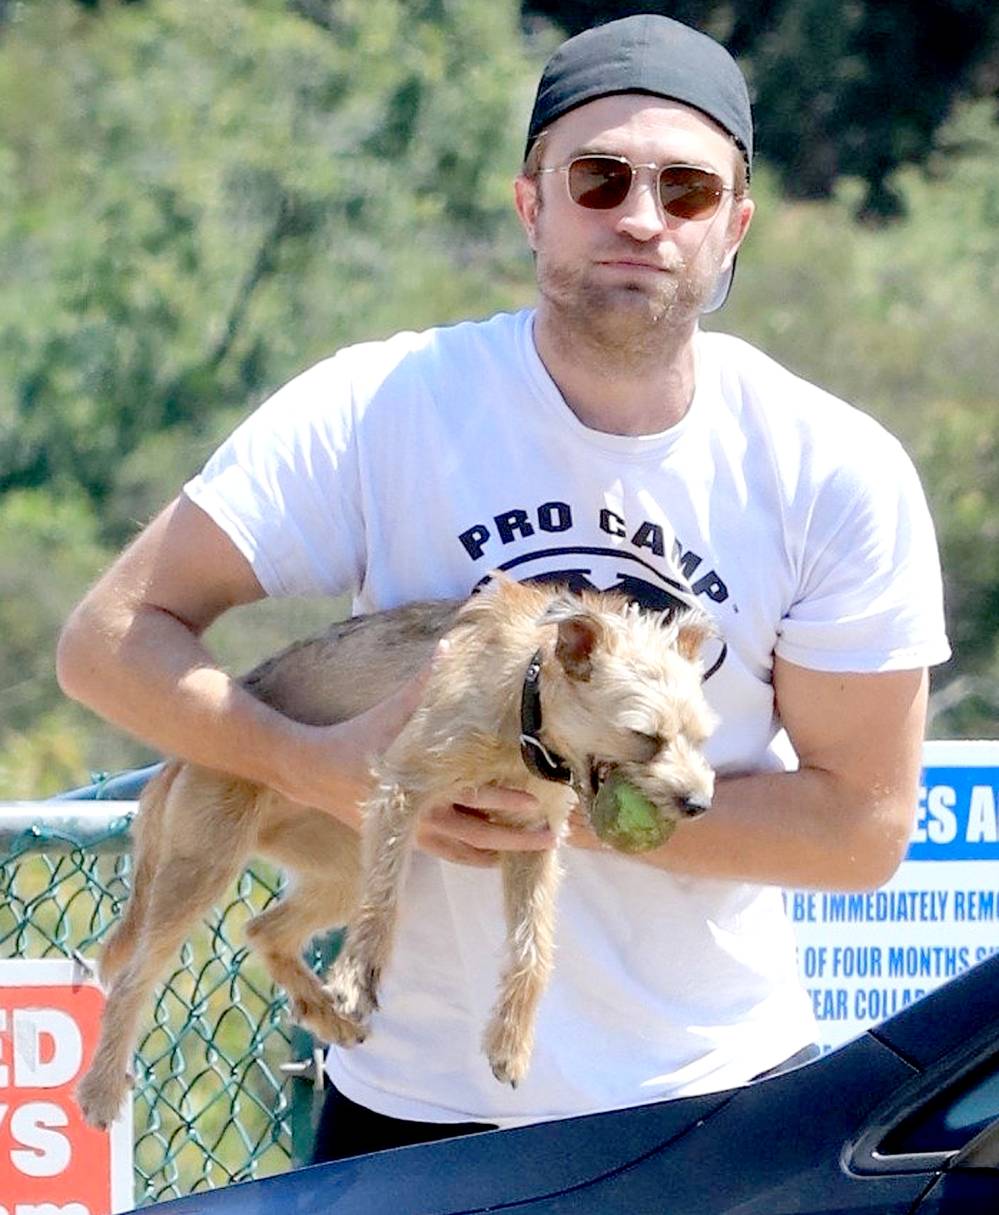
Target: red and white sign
<point x="51" y="1161"/>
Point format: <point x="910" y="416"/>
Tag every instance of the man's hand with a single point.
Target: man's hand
<point x="330" y="767"/>
<point x="462" y="830"/>
<point x="581" y="833"/>
<point x="332" y="771"/>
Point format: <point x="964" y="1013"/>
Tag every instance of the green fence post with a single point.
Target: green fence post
<point x="306" y="1066"/>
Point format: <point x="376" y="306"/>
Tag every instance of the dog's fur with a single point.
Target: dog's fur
<point x="620" y="689"/>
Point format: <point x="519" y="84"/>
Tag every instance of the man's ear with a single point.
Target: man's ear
<point x="742" y="217"/>
<point x="527" y="201"/>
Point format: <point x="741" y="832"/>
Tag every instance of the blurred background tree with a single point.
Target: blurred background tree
<point x="197" y="201"/>
<point x="185" y="182"/>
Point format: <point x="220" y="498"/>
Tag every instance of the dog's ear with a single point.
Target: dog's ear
<point x="693" y="629"/>
<point x="580" y="631"/>
<point x="578" y="637"/>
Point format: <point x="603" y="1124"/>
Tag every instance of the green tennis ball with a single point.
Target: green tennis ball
<point x="626" y="819"/>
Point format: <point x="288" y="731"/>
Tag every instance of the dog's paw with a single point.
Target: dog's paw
<point x="353" y="988"/>
<point x="321" y="1018"/>
<point x="508" y="1053"/>
<point x="100" y="1098"/>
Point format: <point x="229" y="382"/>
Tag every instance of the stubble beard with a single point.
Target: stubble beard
<point x="624" y="326"/>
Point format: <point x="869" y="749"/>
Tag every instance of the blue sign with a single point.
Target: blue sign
<point x="864" y="955"/>
<point x="956" y="818"/>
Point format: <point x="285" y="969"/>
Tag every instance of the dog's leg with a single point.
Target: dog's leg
<point x="280" y="933"/>
<point x="185" y="886"/>
<point x="390" y="820"/>
<point x="146" y="843"/>
<point x="530" y="883"/>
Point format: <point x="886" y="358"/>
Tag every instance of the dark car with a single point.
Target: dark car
<point x="902" y="1121"/>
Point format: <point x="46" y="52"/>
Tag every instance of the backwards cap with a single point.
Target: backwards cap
<point x="646" y="54"/>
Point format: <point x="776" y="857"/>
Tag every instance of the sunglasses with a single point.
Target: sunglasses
<point x="601" y="183"/>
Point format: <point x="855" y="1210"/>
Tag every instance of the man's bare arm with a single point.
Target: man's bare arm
<point x="843" y="820"/>
<point x="132" y="652"/>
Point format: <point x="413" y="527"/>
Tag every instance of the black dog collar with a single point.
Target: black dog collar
<point x="536" y="755"/>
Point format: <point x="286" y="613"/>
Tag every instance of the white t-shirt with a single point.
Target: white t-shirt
<point x="408" y="469"/>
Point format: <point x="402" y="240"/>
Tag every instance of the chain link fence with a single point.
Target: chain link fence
<point x="225" y="1086"/>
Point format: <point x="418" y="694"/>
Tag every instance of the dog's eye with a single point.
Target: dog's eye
<point x="651" y="744"/>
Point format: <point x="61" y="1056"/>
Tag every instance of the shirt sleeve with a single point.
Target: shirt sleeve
<point x="870" y="595"/>
<point x="284" y="487"/>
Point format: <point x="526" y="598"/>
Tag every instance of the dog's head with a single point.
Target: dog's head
<point x="623" y="701"/>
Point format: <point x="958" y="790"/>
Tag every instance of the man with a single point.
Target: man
<point x="603" y="440"/>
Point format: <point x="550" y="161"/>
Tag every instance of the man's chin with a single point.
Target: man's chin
<point x="633" y="306"/>
<point x="624" y="319"/>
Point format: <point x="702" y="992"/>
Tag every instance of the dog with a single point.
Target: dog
<point x="537" y="689"/>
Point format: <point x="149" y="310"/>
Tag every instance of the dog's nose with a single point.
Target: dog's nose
<point x="695" y="804"/>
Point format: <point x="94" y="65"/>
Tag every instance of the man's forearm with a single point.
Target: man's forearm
<point x="151" y="676"/>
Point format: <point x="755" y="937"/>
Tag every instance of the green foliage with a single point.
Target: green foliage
<point x="860" y="87"/>
<point x="892" y="316"/>
<point x="199" y="199"/>
<point x="47" y="555"/>
<point x="44" y="760"/>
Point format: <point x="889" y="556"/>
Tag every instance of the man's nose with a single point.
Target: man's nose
<point x="641" y="215"/>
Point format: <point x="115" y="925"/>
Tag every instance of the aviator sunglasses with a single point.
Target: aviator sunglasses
<point x="601" y="183"/>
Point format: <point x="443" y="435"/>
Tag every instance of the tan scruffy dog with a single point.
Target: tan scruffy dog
<point x="538" y="689"/>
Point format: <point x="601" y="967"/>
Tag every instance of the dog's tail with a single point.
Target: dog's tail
<point x="147" y="829"/>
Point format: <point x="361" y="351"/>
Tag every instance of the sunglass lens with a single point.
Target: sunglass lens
<point x="689" y="193"/>
<point x="599" y="182"/>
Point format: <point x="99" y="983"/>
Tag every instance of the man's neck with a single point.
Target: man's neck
<point x="639" y="395"/>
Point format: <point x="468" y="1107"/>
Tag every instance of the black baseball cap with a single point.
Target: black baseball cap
<point x="650" y="54"/>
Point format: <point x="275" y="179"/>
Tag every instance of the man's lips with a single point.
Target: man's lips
<point x="630" y="263"/>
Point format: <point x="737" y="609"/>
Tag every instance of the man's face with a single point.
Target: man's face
<point x="622" y="273"/>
